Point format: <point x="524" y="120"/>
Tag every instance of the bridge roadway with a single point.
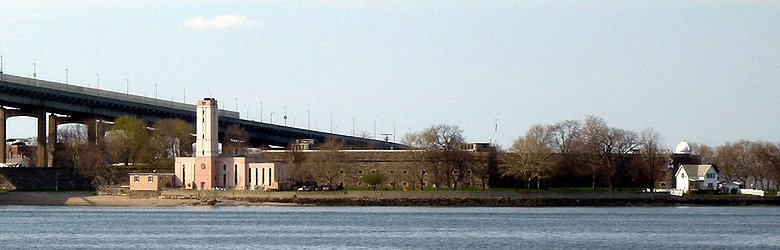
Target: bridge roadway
<point x="75" y="104"/>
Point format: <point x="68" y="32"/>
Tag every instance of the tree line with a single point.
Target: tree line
<point x="585" y="153"/>
<point x="130" y="141"/>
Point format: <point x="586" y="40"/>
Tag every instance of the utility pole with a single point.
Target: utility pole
<point x="285" y="115"/>
<point x="272" y="117"/>
<point x="35" y="70"/>
<point x="155" y="91"/>
<point x="127" y="86"/>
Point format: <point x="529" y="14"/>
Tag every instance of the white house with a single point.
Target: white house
<point x="696" y="177"/>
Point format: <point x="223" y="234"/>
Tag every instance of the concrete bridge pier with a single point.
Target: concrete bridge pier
<point x="52" y="140"/>
<point x="95" y="131"/>
<point x="41" y="151"/>
<point x="3" y="150"/>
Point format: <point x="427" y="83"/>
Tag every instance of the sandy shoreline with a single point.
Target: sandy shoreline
<point x="81" y="199"/>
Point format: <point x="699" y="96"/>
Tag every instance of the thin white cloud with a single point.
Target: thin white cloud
<point x="221" y="22"/>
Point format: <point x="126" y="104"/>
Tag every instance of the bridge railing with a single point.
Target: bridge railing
<point x="107" y="94"/>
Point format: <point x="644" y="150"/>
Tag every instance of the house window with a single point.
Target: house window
<point x="709" y="185"/>
<point x="150" y="178"/>
<point x="136" y="178"/>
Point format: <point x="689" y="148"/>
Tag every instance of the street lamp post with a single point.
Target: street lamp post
<point x="66" y="75"/>
<point x="353" y="126"/>
<point x="155" y="91"/>
<point x="331" y="123"/>
<point x="272" y="118"/>
<point x="35" y="70"/>
<point x="285" y="115"/>
<point x="127" y="86"/>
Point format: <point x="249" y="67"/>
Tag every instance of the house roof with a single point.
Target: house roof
<point x="695" y="171"/>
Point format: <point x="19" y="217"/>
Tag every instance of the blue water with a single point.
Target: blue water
<point x="44" y="227"/>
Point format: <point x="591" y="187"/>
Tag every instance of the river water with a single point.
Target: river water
<point x="59" y="227"/>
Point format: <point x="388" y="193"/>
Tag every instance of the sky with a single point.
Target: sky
<point x="700" y="71"/>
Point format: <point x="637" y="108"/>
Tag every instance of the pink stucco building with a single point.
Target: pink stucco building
<point x="207" y="170"/>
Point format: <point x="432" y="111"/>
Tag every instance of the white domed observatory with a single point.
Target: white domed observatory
<point x="682" y="148"/>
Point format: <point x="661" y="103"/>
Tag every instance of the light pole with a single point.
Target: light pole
<point x="184" y="95"/>
<point x="237" y="105"/>
<point x="308" y="119"/>
<point x="127" y="86"/>
<point x="261" y="111"/>
<point x="272" y="118"/>
<point x="285" y="115"/>
<point x="331" y="123"/>
<point x="1" y="64"/>
<point x="155" y="91"/>
<point x="66" y="75"/>
<point x="97" y="86"/>
<point x="35" y="70"/>
<point x="353" y="126"/>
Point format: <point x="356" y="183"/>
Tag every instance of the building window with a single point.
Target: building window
<point x="136" y="178"/>
<point x="150" y="178"/>
<point x="709" y="185"/>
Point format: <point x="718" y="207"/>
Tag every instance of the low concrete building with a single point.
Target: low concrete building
<point x="151" y="181"/>
<point x="696" y="178"/>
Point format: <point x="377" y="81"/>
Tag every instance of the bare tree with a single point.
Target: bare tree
<point x="652" y="158"/>
<point x="175" y="137"/>
<point x="609" y="148"/>
<point x="328" y="161"/>
<point x="235" y="141"/>
<point x="531" y="156"/>
<point x="443" y="144"/>
<point x="706" y="154"/>
<point x="88" y="160"/>
<point x="734" y="160"/>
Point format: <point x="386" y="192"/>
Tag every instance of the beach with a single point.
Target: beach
<point x="81" y="199"/>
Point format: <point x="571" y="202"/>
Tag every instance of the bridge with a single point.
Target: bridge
<point x="64" y="103"/>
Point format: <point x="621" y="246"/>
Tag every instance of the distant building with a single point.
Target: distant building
<point x="207" y="170"/>
<point x="696" y="178"/>
<point x="150" y="181"/>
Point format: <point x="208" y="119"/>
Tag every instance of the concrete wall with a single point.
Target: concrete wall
<point x="42" y="179"/>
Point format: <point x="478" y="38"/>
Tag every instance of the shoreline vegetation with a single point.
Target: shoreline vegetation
<point x="170" y="198"/>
